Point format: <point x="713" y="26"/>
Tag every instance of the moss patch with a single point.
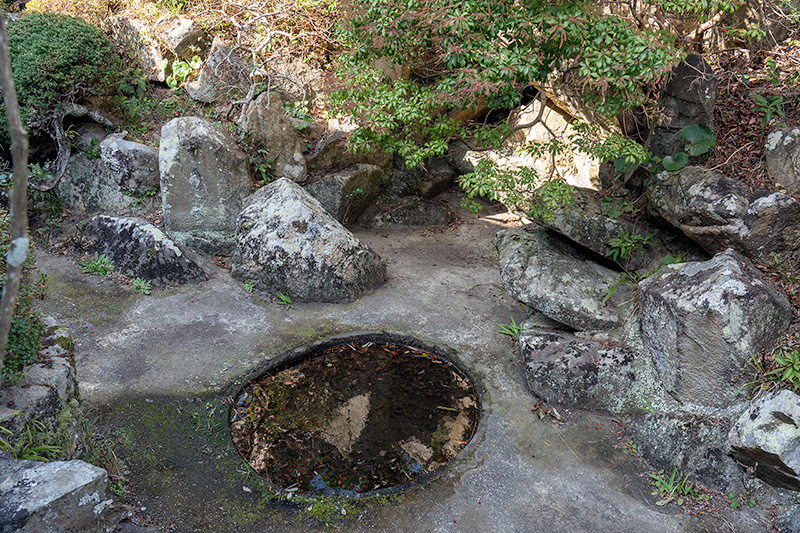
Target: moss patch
<point x="184" y="470"/>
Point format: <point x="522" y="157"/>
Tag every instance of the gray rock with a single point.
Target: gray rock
<point x="297" y="80"/>
<point x="134" y="165"/>
<point x="223" y="74"/>
<point x="88" y="186"/>
<point x="345" y="195"/>
<point x="184" y="38"/>
<point x="426" y="181"/>
<point x="287" y="242"/>
<point x="695" y="444"/>
<point x="704" y="321"/>
<point x="407" y="212"/>
<point x="58" y="496"/>
<point x="782" y="154"/>
<point x="583" y="223"/>
<point x="688" y="100"/>
<point x="88" y="135"/>
<point x="139" y="250"/>
<point x="718" y="213"/>
<point x="767" y="437"/>
<point x="331" y="154"/>
<point x="439" y="176"/>
<point x="557" y="279"/>
<point x="133" y="36"/>
<point x="266" y="127"/>
<point x="587" y="374"/>
<point x="204" y="179"/>
<point x="577" y="167"/>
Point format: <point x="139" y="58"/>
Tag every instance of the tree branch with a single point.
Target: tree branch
<point x="18" y="203"/>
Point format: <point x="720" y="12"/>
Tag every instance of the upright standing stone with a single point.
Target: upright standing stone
<point x="704" y="321"/>
<point x="204" y="178"/>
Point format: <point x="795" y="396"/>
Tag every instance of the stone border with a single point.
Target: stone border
<point x="292" y="357"/>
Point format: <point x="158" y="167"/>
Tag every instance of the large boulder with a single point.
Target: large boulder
<point x="133" y="165"/>
<point x="767" y="437"/>
<point x="266" y="127"/>
<point x="559" y="280"/>
<point x="297" y="80"/>
<point x="223" y="74"/>
<point x="688" y="100"/>
<point x="57" y="496"/>
<point x="718" y="213"/>
<point x="584" y="223"/>
<point x="204" y="179"/>
<point x="578" y="168"/>
<point x="183" y="38"/>
<point x="345" y="195"/>
<point x="782" y="155"/>
<point x="428" y="180"/>
<point x="406" y="212"/>
<point x="139" y="250"/>
<point x="287" y="242"/>
<point x="331" y="154"/>
<point x="704" y="322"/>
<point x="135" y="38"/>
<point x="589" y="374"/>
<point x="694" y="444"/>
<point x="88" y="186"/>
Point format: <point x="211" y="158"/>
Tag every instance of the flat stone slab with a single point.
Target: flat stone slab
<point x="57" y="496"/>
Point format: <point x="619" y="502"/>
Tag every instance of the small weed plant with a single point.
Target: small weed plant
<point x="249" y="285"/>
<point x="182" y="71"/>
<point x="699" y="139"/>
<point x="673" y="487"/>
<point x="631" y="448"/>
<point x="787" y="370"/>
<point x="648" y="407"/>
<point x="284" y="300"/>
<point x="771" y="107"/>
<point x="141" y="285"/>
<point x="206" y="419"/>
<point x="614" y="208"/>
<point x="101" y="453"/>
<point x="93" y="152"/>
<point x="511" y="329"/>
<point x="736" y="500"/>
<point x="262" y="166"/>
<point x="621" y="247"/>
<point x="31" y="444"/>
<point x="100" y="264"/>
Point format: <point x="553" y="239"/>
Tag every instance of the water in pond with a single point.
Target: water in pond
<point x="355" y="418"/>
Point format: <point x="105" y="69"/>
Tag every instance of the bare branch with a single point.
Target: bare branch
<point x="18" y="204"/>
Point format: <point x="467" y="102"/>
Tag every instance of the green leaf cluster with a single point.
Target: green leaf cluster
<point x="771" y="107"/>
<point x="673" y="487"/>
<point x="622" y="246"/>
<point x="699" y="139"/>
<point x="520" y="188"/>
<point x="58" y="58"/>
<point x="787" y="369"/>
<point x="452" y="56"/>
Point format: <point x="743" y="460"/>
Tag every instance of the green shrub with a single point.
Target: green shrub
<point x="58" y="58"/>
<point x="25" y="337"/>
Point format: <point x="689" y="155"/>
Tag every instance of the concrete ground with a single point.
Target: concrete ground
<point x="153" y="369"/>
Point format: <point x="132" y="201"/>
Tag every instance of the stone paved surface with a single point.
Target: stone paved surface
<point x="521" y="474"/>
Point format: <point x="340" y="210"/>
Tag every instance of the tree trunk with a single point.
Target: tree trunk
<point x="18" y="201"/>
